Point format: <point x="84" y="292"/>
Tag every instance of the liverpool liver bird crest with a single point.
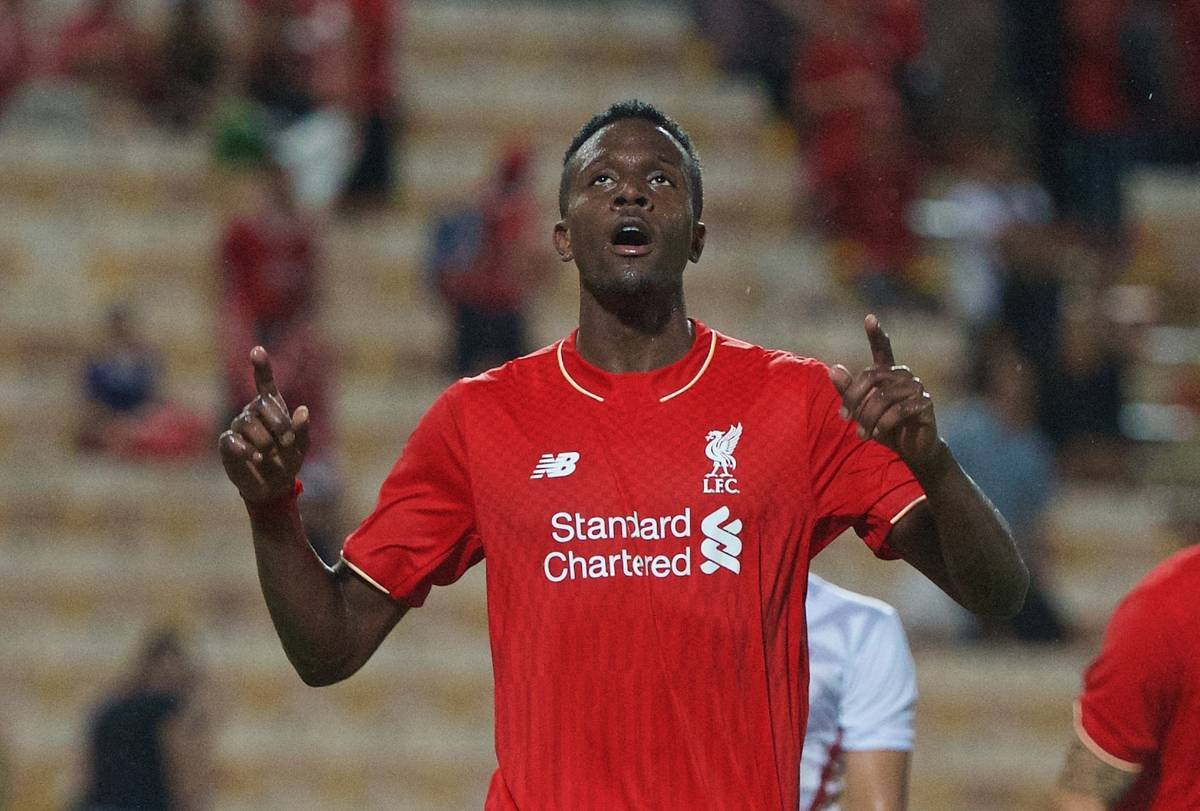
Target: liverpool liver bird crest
<point x="721" y="445"/>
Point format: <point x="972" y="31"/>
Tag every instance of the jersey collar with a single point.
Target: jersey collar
<point x="663" y="384"/>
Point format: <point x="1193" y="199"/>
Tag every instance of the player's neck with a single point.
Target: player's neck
<point x="619" y="343"/>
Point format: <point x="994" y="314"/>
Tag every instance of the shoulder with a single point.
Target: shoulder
<point x="1180" y="570"/>
<point x="829" y="603"/>
<point x="867" y="639"/>
<point x="1169" y="586"/>
<point x="780" y="366"/>
<point x="513" y="381"/>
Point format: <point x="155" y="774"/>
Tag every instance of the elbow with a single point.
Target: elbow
<point x="323" y="673"/>
<point x="319" y="677"/>
<point x="1007" y="600"/>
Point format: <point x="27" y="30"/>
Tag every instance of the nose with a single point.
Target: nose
<point x="631" y="193"/>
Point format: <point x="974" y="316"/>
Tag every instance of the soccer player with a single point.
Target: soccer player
<point x="648" y="493"/>
<point x="861" y="690"/>
<point x="1137" y="723"/>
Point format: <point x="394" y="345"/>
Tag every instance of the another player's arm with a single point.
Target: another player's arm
<point x="876" y="780"/>
<point x="329" y="620"/>
<point x="956" y="537"/>
<point x="876" y="717"/>
<point x="1087" y="783"/>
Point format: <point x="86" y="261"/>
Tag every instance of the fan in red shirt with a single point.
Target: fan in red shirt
<point x="648" y="493"/>
<point x="16" y="50"/>
<point x="1138" y="720"/>
<point x="864" y="168"/>
<point x="100" y="44"/>
<point x="488" y="281"/>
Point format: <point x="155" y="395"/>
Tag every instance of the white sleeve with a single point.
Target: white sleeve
<point x="881" y="689"/>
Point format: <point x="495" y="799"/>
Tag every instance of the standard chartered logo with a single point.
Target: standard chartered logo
<point x="721" y="544"/>
<point x="648" y="545"/>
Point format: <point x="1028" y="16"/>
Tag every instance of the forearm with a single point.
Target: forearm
<point x="876" y="780"/>
<point x="982" y="568"/>
<point x="304" y="597"/>
<point x="1088" y="784"/>
<point x="1067" y="801"/>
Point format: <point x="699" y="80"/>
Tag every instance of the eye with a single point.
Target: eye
<point x="659" y="179"/>
<point x="601" y="179"/>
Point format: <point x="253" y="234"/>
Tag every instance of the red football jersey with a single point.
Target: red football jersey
<point x="648" y="538"/>
<point x="1140" y="708"/>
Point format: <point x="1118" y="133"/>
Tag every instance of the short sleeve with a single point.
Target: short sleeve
<point x="422" y="530"/>
<point x="855" y="483"/>
<point x="881" y="690"/>
<point x="1128" y="688"/>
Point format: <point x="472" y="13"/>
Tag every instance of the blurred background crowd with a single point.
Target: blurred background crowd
<point x="367" y="187"/>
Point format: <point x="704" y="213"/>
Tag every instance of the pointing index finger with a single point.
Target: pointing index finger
<point x="881" y="345"/>
<point x="264" y="379"/>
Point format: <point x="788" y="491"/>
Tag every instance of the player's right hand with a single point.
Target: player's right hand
<point x="264" y="447"/>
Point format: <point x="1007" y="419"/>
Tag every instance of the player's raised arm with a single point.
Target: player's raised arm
<point x="956" y="538"/>
<point x="328" y="620"/>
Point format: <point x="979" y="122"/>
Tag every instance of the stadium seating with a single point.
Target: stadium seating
<point x="94" y="551"/>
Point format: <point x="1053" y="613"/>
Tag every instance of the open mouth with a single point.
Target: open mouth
<point x="631" y="239"/>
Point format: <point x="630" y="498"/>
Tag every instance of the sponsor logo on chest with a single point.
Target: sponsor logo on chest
<point x="720" y="545"/>
<point x="555" y="465"/>
<point x="589" y="547"/>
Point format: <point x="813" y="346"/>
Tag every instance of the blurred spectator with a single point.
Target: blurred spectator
<point x="1099" y="114"/>
<point x="755" y="38"/>
<point x="16" y="52"/>
<point x="998" y="443"/>
<point x="959" y="84"/>
<point x="1083" y="395"/>
<point x="101" y="46"/>
<point x="269" y="274"/>
<point x="991" y="194"/>
<point x="149" y="743"/>
<point x="1032" y="53"/>
<point x="863" y="165"/>
<point x="125" y="414"/>
<point x="372" y="98"/>
<point x="323" y="70"/>
<point x="1162" y="55"/>
<point x="276" y="70"/>
<point x="1184" y="22"/>
<point x="485" y="261"/>
<point x="1032" y="291"/>
<point x="191" y="56"/>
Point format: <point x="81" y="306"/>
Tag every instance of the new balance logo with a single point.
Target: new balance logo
<point x="721" y="545"/>
<point x="552" y="466"/>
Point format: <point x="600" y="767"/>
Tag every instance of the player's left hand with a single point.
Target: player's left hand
<point x="889" y="403"/>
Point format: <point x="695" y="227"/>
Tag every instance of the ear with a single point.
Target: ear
<point x="698" y="233"/>
<point x="562" y="241"/>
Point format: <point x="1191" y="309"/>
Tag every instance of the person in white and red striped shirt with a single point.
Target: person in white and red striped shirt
<point x="862" y="689"/>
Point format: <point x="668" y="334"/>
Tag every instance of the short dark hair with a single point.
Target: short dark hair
<point x="633" y="108"/>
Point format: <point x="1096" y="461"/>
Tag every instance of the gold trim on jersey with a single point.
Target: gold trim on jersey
<point x="712" y="348"/>
<point x="907" y="509"/>
<point x="563" y="368"/>
<point x="364" y="576"/>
